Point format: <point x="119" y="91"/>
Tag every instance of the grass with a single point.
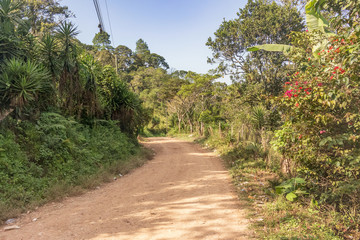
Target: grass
<point x="62" y="189"/>
<point x="57" y="157"/>
<point x="271" y="215"/>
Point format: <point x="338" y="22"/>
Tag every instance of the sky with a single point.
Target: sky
<point x="175" y="29"/>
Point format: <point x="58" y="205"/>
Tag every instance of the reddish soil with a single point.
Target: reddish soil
<point x="183" y="193"/>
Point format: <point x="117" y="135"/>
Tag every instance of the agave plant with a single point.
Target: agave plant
<point x="69" y="83"/>
<point x="20" y="83"/>
<point x="257" y="116"/>
<point x="10" y="25"/>
<point x="49" y="54"/>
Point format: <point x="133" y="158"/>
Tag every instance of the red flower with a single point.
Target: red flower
<point x="287" y="83"/>
<point x="331" y="77"/>
<point x="288" y="93"/>
<point x="322" y="131"/>
<point x="297" y="104"/>
<point x="320" y="84"/>
<point x="336" y="68"/>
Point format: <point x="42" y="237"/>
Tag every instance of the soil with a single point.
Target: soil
<point x="183" y="193"/>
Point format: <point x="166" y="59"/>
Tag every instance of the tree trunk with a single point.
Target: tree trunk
<point x="191" y="126"/>
<point x="201" y="129"/>
<point x="286" y="166"/>
<point x="220" y="134"/>
<point x="4" y="114"/>
<point x="211" y="131"/>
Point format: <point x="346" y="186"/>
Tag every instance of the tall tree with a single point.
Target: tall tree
<point x="259" y="22"/>
<point x="69" y="82"/>
<point x="45" y="15"/>
<point x="144" y="58"/>
<point x="124" y="57"/>
<point x="101" y="40"/>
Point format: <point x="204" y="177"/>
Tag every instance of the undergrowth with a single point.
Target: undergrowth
<point x="58" y="157"/>
<point x="271" y="214"/>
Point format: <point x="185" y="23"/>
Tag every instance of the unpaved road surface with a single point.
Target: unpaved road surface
<point x="183" y="193"/>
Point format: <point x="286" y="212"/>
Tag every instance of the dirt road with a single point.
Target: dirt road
<point x="183" y="193"/>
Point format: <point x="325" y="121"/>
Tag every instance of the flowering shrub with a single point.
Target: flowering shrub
<point x="320" y="106"/>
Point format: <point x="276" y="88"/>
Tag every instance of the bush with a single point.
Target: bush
<point x="55" y="153"/>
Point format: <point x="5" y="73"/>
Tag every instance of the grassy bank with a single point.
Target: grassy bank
<point x="56" y="157"/>
<point x="272" y="215"/>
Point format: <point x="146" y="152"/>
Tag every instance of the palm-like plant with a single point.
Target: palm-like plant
<point x="49" y="54"/>
<point x="90" y="69"/>
<point x="69" y="84"/>
<point x="20" y="83"/>
<point x="10" y="20"/>
<point x="257" y="116"/>
<point x="10" y="12"/>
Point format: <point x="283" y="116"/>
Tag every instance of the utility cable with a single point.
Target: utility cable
<point x="98" y="12"/>
<point x="108" y="15"/>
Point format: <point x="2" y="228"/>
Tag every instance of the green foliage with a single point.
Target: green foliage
<point x="271" y="48"/>
<point x="291" y="188"/>
<point x="121" y="103"/>
<point x="102" y="40"/>
<point x="12" y="30"/>
<point x="286" y="220"/>
<point x="321" y="113"/>
<point x="45" y="16"/>
<point x="21" y="82"/>
<point x="55" y="150"/>
<point x="259" y="22"/>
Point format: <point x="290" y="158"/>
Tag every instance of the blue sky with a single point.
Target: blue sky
<point x="175" y="29"/>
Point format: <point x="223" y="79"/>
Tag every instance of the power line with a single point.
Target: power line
<point x="108" y="15"/>
<point x="98" y="12"/>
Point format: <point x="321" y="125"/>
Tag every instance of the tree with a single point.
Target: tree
<point x="124" y="57"/>
<point x="69" y="82"/>
<point x="102" y="40"/>
<point x="90" y="71"/>
<point x="45" y="15"/>
<point x="120" y="103"/>
<point x="49" y="54"/>
<point x="144" y="58"/>
<point x="260" y="22"/>
<point x="142" y="48"/>
<point x="196" y="99"/>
